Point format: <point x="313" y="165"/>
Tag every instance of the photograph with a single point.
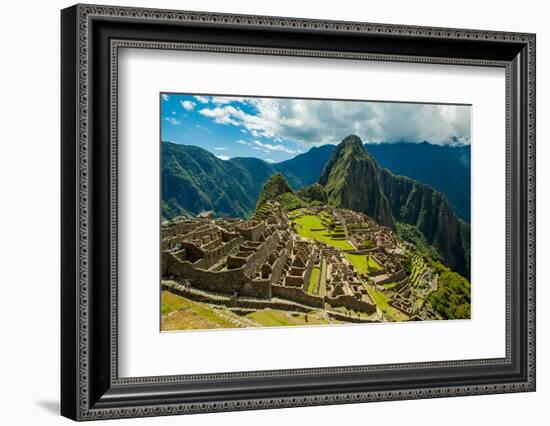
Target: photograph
<point x="280" y="211"/>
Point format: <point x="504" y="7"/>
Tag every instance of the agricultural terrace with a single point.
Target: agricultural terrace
<point x="317" y="227"/>
<point x="313" y="227"/>
<point x="382" y="301"/>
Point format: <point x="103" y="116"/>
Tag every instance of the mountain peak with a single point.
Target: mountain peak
<point x="275" y="186"/>
<point x="277" y="177"/>
<point x="350" y="179"/>
<point x="352" y="142"/>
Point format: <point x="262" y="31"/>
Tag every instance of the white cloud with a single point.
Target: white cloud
<point x="220" y="115"/>
<point x="270" y="147"/>
<point x="165" y="97"/>
<point x="188" y="105"/>
<point x="223" y="157"/>
<point x="220" y="148"/>
<point x="439" y="124"/>
<point x="224" y="100"/>
<point x="173" y="121"/>
<point x="202" y="99"/>
<point x="220" y="100"/>
<point x="241" y="142"/>
<point x="315" y="122"/>
<point x="270" y="160"/>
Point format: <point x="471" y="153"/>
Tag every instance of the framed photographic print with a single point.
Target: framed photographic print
<point x="264" y="212"/>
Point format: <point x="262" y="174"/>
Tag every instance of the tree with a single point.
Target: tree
<point x="452" y="297"/>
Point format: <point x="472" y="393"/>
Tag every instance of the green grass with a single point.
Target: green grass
<point x="313" y="280"/>
<point x="186" y="314"/>
<point x="359" y="262"/>
<point x="389" y="286"/>
<point x="274" y="318"/>
<point x="362" y="263"/>
<point x="373" y="266"/>
<point x="271" y="318"/>
<point x="323" y="280"/>
<point x="312" y="227"/>
<point x="170" y="302"/>
<point x="382" y="301"/>
<point x="353" y="313"/>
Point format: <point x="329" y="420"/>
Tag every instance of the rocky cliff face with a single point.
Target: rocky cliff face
<point x="445" y="168"/>
<point x="427" y="210"/>
<point x="350" y="179"/>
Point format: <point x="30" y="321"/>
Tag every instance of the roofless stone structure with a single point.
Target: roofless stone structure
<point x="264" y="262"/>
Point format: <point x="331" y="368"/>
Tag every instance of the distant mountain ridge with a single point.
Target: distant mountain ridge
<point x="447" y="168"/>
<point x="187" y="171"/>
<point x="444" y="167"/>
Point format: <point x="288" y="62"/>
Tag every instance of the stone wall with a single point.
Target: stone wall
<point x="295" y="281"/>
<point x="226" y="281"/>
<point x="342" y="317"/>
<point x="233" y="301"/>
<point x="350" y="302"/>
<point x="306" y="302"/>
<point x="214" y="256"/>
<point x="253" y="233"/>
<point x="169" y="241"/>
<point x="239" y="279"/>
<point x="257" y="287"/>
<point x="179" y="228"/>
<point x="255" y="261"/>
<point x="298" y="295"/>
<point x="278" y="266"/>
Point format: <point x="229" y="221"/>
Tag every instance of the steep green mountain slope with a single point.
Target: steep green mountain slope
<point x="427" y="210"/>
<point x="193" y="180"/>
<point x="313" y="193"/>
<point x="445" y="168"/>
<point x="350" y="179"/>
<point x="277" y="188"/>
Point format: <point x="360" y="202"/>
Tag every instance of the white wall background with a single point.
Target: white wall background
<point x="29" y="214"/>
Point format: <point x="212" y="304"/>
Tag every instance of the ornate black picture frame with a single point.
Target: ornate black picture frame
<point x="91" y="387"/>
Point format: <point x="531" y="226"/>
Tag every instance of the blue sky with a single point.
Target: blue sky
<point x="276" y="129"/>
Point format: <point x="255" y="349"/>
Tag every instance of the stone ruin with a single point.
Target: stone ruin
<point x="258" y="259"/>
<point x="263" y="262"/>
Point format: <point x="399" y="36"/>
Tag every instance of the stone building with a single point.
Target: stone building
<point x="265" y="262"/>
